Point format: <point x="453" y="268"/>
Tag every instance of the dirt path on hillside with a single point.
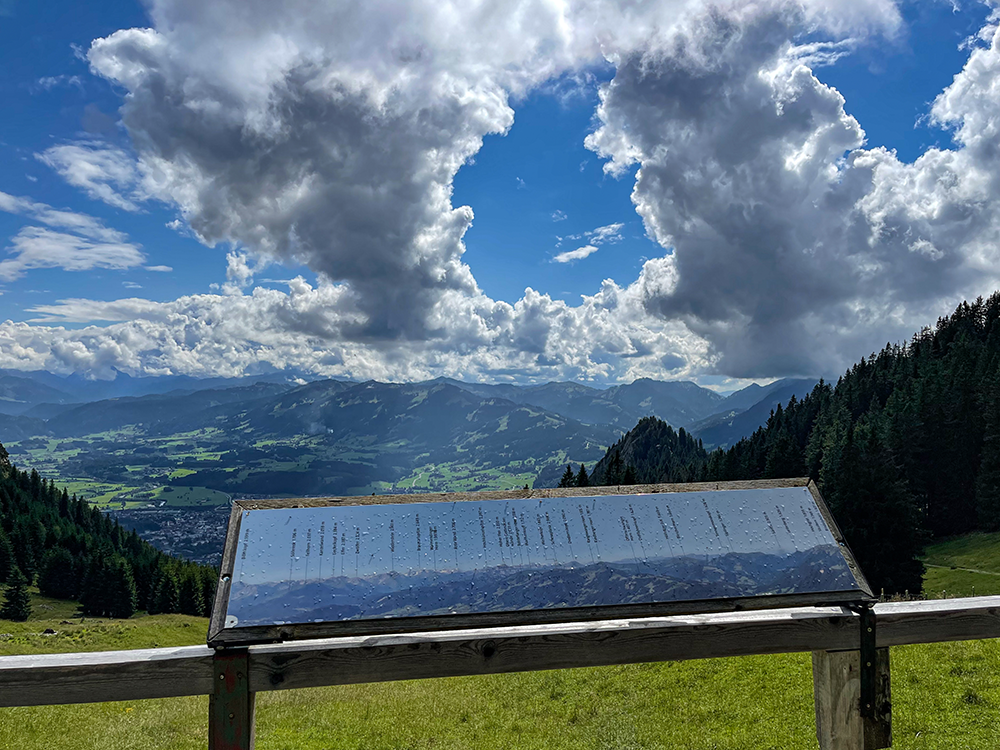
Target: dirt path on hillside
<point x="956" y="567"/>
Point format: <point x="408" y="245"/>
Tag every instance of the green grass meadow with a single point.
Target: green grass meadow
<point x="964" y="566"/>
<point x="945" y="696"/>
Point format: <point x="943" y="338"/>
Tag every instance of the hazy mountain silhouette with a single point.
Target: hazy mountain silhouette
<point x="513" y="588"/>
<point x="747" y="410"/>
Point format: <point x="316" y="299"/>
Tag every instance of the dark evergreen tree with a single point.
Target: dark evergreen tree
<point x="166" y="595"/>
<point x="108" y="588"/>
<point x="122" y="598"/>
<point x="35" y="486"/>
<point x="7" y="560"/>
<point x="190" y="598"/>
<point x="209" y="579"/>
<point x="629" y="477"/>
<point x="881" y="523"/>
<point x="988" y="480"/>
<point x="22" y="539"/>
<point x="17" y="601"/>
<point x="613" y="472"/>
<point x="94" y="591"/>
<point x="58" y="576"/>
<point x="582" y="479"/>
<point x="567" y="480"/>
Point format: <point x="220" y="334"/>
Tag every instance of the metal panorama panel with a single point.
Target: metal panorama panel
<point x="383" y="567"/>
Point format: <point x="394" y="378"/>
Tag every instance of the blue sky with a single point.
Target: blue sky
<point x="513" y="240"/>
<point x="537" y="190"/>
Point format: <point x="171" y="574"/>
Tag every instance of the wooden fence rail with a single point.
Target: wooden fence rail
<point x="195" y="670"/>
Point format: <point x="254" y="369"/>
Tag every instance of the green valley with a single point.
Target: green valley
<point x="196" y="450"/>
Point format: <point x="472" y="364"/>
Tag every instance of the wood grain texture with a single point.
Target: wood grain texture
<point x="231" y="720"/>
<point x="837" y="695"/>
<point x="105" y="676"/>
<point x="218" y="616"/>
<point x="530" y="648"/>
<point x="974" y="618"/>
<point x="168" y="672"/>
<point x="450" y="497"/>
<point x="393" y="626"/>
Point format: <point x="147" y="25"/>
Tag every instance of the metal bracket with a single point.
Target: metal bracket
<point x="869" y="672"/>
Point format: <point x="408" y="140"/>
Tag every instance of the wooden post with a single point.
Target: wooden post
<point x="231" y="706"/>
<point x="837" y="693"/>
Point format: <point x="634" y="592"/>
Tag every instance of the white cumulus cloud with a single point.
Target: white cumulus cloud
<point x="70" y="240"/>
<point x="82" y="224"/>
<point x="571" y="255"/>
<point x="794" y="248"/>
<point x="329" y="135"/>
<point x="37" y="247"/>
<point x="103" y="172"/>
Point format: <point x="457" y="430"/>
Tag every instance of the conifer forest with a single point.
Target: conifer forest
<point x="905" y="447"/>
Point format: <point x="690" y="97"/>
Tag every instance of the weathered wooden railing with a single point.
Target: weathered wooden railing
<point x="233" y="677"/>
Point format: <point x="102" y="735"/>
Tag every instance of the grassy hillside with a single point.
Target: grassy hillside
<point x="964" y="566"/>
<point x="945" y="696"/>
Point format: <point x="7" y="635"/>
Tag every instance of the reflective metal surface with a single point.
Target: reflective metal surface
<point x="366" y="562"/>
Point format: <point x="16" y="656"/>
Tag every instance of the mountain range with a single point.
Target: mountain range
<point x="747" y="410"/>
<point x="280" y="435"/>
<point x="511" y="588"/>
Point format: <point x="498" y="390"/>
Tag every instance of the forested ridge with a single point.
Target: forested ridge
<point x="905" y="447"/>
<point x="74" y="551"/>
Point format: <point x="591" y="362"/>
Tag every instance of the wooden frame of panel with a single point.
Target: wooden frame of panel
<point x="219" y="636"/>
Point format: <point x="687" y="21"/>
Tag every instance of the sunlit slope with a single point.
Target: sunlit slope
<point x="963" y="566"/>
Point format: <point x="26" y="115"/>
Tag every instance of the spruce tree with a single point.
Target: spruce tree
<point x="94" y="598"/>
<point x="17" y="602"/>
<point x="629" y="477"/>
<point x="58" y="577"/>
<point x="7" y="559"/>
<point x="191" y="602"/>
<point x="876" y="512"/>
<point x="122" y="598"/>
<point x="988" y="480"/>
<point x="567" y="477"/>
<point x="5" y="465"/>
<point x="582" y="480"/>
<point x="25" y="550"/>
<point x="209" y="579"/>
<point x="166" y="595"/>
<point x="35" y="486"/>
<point x="613" y="472"/>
